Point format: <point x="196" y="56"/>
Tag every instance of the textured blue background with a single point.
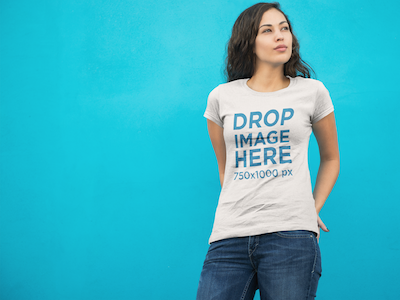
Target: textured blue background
<point x="109" y="182"/>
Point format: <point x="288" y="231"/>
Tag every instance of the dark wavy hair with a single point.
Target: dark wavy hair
<point x="240" y="60"/>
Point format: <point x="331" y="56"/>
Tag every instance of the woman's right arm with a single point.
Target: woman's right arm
<point x="216" y="134"/>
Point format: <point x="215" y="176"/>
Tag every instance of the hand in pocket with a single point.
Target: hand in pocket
<point x="322" y="226"/>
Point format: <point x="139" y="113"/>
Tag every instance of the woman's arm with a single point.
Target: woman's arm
<point x="326" y="135"/>
<point x="217" y="139"/>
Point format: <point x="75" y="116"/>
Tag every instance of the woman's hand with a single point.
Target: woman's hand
<point x="322" y="226"/>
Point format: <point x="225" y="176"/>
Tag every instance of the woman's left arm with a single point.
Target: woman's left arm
<point x="326" y="135"/>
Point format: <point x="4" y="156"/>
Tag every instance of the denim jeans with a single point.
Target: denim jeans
<point x="284" y="265"/>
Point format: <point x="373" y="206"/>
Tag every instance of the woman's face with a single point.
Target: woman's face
<point x="272" y="32"/>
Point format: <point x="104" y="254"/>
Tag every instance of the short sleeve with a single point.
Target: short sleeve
<point x="323" y="103"/>
<point x="213" y="108"/>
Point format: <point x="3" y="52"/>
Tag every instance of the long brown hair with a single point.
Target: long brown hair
<point x="240" y="60"/>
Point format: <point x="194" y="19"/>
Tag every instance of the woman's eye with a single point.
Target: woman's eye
<point x="269" y="30"/>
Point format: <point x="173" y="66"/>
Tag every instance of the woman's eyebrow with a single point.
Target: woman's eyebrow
<point x="271" y="25"/>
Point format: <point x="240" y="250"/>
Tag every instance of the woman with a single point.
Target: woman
<point x="266" y="228"/>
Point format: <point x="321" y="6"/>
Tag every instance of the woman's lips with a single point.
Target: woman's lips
<point x="281" y="49"/>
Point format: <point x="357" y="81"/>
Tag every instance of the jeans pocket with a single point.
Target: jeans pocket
<point x="295" y="234"/>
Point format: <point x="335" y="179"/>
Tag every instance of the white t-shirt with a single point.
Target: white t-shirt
<point x="267" y="186"/>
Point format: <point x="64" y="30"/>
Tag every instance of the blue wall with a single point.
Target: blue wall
<point x="108" y="180"/>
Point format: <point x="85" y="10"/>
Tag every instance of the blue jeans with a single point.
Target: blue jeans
<point x="284" y="265"/>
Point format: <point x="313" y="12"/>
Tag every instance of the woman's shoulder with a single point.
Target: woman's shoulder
<point x="309" y="82"/>
<point x="312" y="85"/>
<point x="230" y="86"/>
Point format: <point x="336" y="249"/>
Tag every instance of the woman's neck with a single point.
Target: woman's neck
<point x="268" y="80"/>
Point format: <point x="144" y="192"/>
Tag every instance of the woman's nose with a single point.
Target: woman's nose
<point x="279" y="36"/>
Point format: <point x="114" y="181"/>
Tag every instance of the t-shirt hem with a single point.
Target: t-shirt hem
<point x="212" y="118"/>
<point x="218" y="237"/>
<point x="323" y="114"/>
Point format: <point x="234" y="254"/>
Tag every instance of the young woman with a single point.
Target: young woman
<point x="266" y="228"/>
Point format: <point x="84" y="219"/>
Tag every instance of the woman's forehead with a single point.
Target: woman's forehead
<point x="272" y="17"/>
